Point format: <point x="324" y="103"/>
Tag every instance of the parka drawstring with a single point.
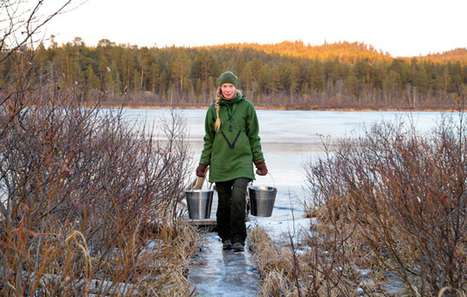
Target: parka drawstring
<point x="230" y="108"/>
<point x="230" y="113"/>
<point x="231" y="145"/>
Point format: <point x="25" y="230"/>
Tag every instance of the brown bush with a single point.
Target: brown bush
<point x="392" y="207"/>
<point x="88" y="196"/>
<point x="89" y="202"/>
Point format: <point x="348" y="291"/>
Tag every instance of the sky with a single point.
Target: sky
<point x="403" y="28"/>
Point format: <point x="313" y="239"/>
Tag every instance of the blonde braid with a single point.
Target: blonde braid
<point x="217" y="124"/>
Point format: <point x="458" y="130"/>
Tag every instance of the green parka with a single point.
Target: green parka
<point x="231" y="151"/>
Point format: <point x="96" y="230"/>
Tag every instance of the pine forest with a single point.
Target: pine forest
<point x="288" y="75"/>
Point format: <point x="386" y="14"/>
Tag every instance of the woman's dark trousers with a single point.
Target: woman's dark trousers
<point x="231" y="209"/>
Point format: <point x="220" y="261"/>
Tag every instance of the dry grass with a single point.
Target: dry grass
<point x="274" y="263"/>
<point x="393" y="204"/>
<point x="90" y="202"/>
<point x="311" y="269"/>
<point x="391" y="219"/>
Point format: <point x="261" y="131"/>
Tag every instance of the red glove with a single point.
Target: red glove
<point x="201" y="170"/>
<point x="261" y="168"/>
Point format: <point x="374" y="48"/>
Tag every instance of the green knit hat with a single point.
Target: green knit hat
<point x="228" y="77"/>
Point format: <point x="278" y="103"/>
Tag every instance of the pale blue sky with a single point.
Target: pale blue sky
<point x="402" y="28"/>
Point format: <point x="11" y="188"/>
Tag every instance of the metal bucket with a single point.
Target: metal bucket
<point x="262" y="200"/>
<point x="199" y="203"/>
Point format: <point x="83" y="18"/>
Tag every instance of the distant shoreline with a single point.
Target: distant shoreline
<point x="259" y="107"/>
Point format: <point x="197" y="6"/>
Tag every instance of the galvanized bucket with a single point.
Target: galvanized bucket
<point x="262" y="200"/>
<point x="199" y="203"/>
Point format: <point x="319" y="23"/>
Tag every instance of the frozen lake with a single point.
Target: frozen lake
<point x="290" y="139"/>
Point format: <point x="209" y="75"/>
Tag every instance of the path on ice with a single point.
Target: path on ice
<point x="215" y="272"/>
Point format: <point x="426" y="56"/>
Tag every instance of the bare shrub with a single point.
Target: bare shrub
<point x="392" y="209"/>
<point x="89" y="203"/>
<point x="86" y="196"/>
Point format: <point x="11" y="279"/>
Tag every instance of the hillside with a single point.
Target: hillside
<point x="346" y="52"/>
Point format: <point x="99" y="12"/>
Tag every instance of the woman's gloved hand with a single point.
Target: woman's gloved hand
<point x="201" y="170"/>
<point x="261" y="168"/>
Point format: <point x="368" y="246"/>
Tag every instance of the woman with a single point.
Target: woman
<point x="231" y="147"/>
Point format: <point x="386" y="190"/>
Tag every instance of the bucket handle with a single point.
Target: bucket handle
<point x="273" y="182"/>
<point x="198" y="184"/>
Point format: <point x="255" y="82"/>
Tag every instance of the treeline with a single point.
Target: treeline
<point x="285" y="75"/>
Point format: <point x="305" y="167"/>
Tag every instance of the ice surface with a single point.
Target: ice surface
<point x="290" y="139"/>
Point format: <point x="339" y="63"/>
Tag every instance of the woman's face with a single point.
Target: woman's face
<point x="228" y="91"/>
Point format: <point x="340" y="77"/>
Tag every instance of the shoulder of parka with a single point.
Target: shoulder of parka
<point x="248" y="105"/>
